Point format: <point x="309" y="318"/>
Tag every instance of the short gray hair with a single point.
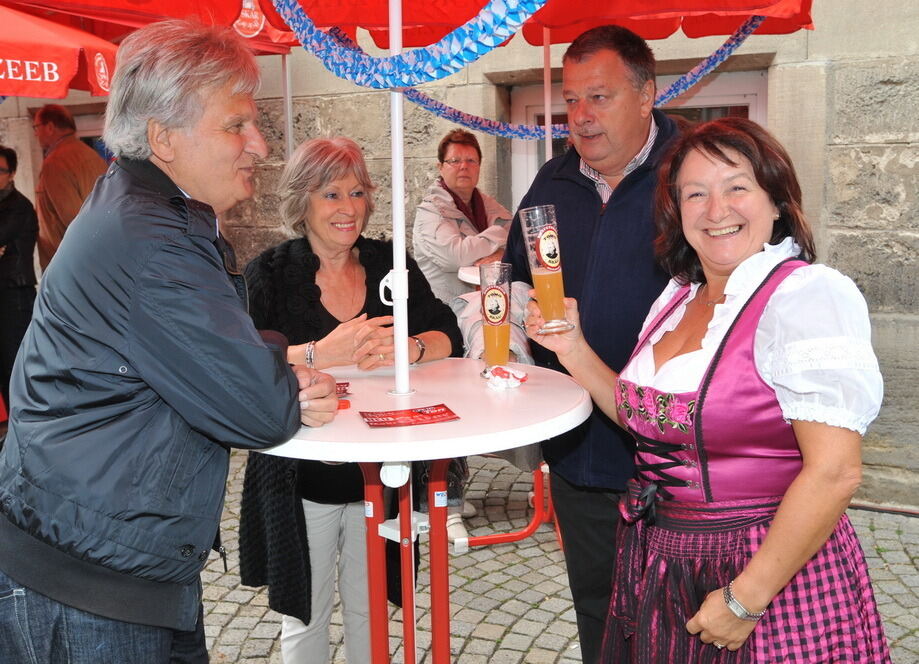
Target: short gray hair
<point x="164" y="72"/>
<point x="313" y="165"/>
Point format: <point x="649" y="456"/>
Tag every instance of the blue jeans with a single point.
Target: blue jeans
<point x="35" y="629"/>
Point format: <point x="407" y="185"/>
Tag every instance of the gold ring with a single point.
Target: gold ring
<point x="382" y="357"/>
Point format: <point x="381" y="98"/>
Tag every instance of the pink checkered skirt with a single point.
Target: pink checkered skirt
<point x="827" y="612"/>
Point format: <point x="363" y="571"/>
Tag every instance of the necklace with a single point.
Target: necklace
<point x="711" y="303"/>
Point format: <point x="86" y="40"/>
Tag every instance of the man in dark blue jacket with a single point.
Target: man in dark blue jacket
<point x="602" y="189"/>
<point x="140" y="369"/>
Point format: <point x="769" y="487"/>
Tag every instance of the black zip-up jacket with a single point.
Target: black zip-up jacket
<point x="140" y="368"/>
<point x="18" y="230"/>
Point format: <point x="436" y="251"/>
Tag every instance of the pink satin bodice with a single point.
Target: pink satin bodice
<point x="728" y="440"/>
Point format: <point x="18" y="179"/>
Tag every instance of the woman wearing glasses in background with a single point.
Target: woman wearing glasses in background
<point x="456" y="225"/>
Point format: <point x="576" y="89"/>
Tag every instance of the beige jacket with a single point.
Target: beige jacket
<point x="444" y="240"/>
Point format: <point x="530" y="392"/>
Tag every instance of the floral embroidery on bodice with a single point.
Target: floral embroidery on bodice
<point x="663" y="409"/>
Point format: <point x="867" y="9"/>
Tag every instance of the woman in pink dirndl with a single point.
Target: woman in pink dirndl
<point x="748" y="392"/>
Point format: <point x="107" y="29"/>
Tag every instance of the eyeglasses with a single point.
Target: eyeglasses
<point x="469" y="161"/>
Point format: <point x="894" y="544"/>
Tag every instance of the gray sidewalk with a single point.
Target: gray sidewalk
<point x="510" y="603"/>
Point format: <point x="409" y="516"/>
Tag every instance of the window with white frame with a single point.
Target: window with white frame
<point x="89" y="130"/>
<point x="717" y="95"/>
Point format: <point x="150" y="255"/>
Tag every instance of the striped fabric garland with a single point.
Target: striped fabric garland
<point x="538" y="132"/>
<point x="345" y="59"/>
<point x="496" y="23"/>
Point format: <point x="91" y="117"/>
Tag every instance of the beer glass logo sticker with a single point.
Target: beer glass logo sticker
<point x="101" y="69"/>
<point x="547" y="249"/>
<point x="251" y="19"/>
<point x="495" y="304"/>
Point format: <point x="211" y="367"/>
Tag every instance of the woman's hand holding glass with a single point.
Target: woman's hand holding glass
<point x="561" y="343"/>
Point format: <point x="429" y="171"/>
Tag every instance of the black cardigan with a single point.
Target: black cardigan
<point x="283" y="296"/>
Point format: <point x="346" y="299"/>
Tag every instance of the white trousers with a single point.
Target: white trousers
<point x="337" y="538"/>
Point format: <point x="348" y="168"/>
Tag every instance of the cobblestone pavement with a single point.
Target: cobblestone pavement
<point x="510" y="603"/>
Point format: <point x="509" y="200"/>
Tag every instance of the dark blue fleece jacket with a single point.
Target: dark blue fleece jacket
<point x="608" y="266"/>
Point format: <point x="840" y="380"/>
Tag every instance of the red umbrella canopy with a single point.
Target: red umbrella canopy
<point x="142" y="12"/>
<point x="657" y="19"/>
<point x="426" y="21"/>
<point x="41" y="58"/>
<point x="114" y="19"/>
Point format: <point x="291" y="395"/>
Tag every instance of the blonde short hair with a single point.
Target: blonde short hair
<point x="313" y="165"/>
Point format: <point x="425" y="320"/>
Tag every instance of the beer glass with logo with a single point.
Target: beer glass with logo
<point x="495" y="284"/>
<point x="541" y="234"/>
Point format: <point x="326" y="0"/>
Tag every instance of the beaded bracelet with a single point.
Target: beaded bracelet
<point x="310" y="353"/>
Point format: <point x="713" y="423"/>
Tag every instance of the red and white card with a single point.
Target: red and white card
<point x="409" y="417"/>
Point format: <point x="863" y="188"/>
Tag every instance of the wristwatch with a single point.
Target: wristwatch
<point x="421" y="348"/>
<point x="737" y="608"/>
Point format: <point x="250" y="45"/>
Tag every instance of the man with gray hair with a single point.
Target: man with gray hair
<point x="140" y="369"/>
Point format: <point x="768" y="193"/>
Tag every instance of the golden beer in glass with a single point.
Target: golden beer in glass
<point x="495" y="285"/>
<point x="541" y="234"/>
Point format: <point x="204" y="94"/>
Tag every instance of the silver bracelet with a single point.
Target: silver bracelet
<point x="737" y="608"/>
<point x="421" y="348"/>
<point x="310" y="353"/>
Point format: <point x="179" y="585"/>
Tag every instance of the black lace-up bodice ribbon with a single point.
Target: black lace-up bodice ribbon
<point x="642" y="495"/>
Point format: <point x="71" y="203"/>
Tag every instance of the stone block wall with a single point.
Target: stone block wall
<point x="872" y="234"/>
<point x="363" y="116"/>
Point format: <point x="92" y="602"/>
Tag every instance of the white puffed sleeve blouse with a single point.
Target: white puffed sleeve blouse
<point x="812" y="345"/>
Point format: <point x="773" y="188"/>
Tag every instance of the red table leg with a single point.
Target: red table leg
<point x="540" y="516"/>
<point x="440" y="572"/>
<point x="407" y="557"/>
<point x="376" y="563"/>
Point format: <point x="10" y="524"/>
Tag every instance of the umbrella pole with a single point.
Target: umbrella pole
<point x="399" y="275"/>
<point x="547" y="89"/>
<point x="288" y="108"/>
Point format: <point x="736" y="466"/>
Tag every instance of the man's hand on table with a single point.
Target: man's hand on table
<point x="318" y="401"/>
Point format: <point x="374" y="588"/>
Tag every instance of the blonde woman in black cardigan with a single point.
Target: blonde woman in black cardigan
<point x="303" y="520"/>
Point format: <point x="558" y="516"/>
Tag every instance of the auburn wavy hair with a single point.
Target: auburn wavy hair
<point x="772" y="168"/>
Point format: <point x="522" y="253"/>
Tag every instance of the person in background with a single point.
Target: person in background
<point x="456" y="225"/>
<point x="68" y="173"/>
<point x="303" y="520"/>
<point x="18" y="229"/>
<point x="602" y="189"/>
<point x="748" y="394"/>
<point x="141" y="368"/>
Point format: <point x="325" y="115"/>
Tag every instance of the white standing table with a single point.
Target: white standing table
<point x="469" y="274"/>
<point x="547" y="404"/>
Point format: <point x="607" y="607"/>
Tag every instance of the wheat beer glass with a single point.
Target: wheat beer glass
<point x="541" y="234"/>
<point x="495" y="285"/>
